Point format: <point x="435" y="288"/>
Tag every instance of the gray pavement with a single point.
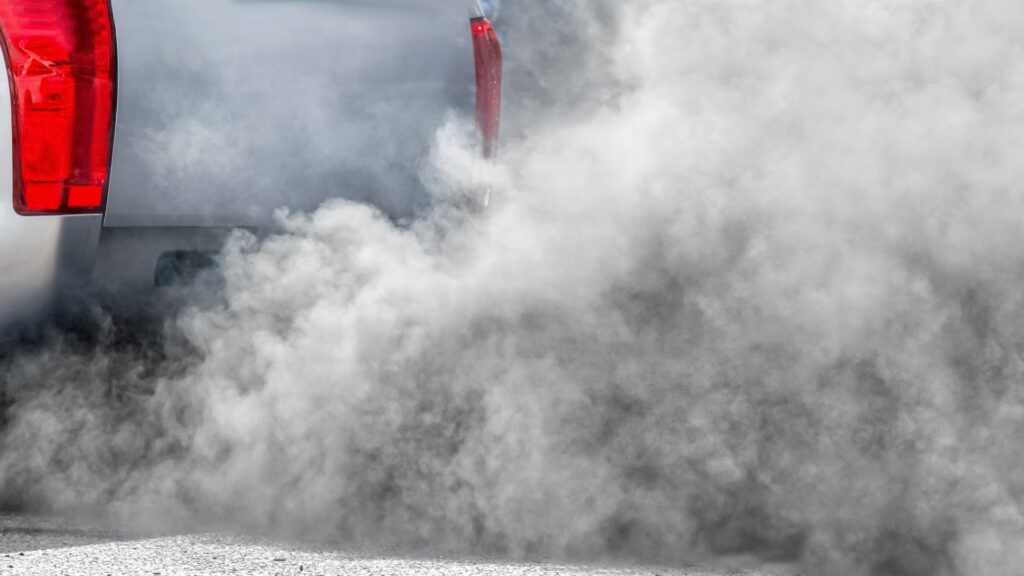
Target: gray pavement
<point x="33" y="545"/>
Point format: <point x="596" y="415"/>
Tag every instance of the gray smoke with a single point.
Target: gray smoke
<point x="751" y="284"/>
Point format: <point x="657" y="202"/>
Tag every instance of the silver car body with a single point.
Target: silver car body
<point x="38" y="255"/>
<point x="228" y="110"/>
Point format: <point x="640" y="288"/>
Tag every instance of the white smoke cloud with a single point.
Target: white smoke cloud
<point x="750" y="284"/>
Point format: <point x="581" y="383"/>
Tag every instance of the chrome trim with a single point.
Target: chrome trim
<point x="476" y="10"/>
<point x="490" y="8"/>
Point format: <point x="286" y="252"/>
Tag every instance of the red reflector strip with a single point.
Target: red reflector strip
<point x="85" y="196"/>
<point x="60" y="55"/>
<point x="487" y="55"/>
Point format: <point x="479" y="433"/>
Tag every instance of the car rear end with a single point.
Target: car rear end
<point x="56" y="124"/>
<point x="144" y="145"/>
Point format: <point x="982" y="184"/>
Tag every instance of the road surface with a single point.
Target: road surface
<point x="48" y="546"/>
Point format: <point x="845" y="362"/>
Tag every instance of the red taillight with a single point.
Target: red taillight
<point x="487" y="54"/>
<point x="62" y="63"/>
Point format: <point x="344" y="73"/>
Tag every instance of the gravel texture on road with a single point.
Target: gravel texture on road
<point x="45" y="546"/>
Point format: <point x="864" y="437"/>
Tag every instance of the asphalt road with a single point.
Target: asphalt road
<point x="32" y="545"/>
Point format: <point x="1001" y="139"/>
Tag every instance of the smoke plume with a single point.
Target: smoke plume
<point x="750" y="284"/>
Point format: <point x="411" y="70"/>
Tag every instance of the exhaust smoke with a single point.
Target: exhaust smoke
<point x="751" y="284"/>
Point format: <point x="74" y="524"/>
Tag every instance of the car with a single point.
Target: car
<point x="137" y="132"/>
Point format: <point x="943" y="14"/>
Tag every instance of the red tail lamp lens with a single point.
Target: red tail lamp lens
<point x="487" y="54"/>
<point x="61" y="59"/>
